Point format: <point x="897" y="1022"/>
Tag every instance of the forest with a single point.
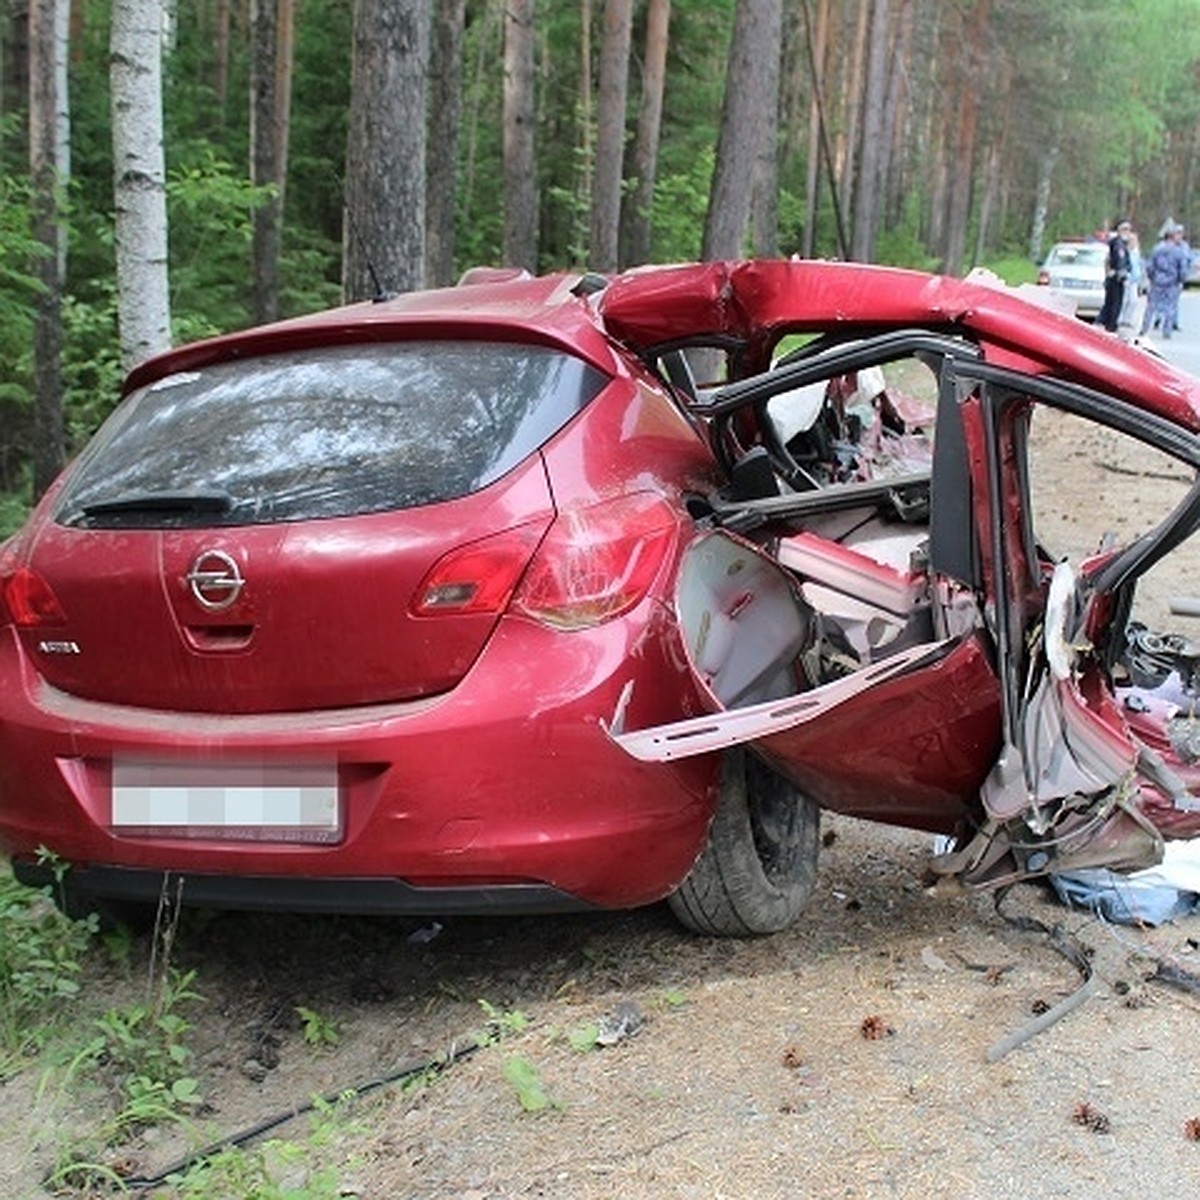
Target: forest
<point x="306" y="152"/>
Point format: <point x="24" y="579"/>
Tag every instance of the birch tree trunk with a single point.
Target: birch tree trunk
<point x="639" y="209"/>
<point x="757" y="26"/>
<point x="604" y="233"/>
<point x="520" y="179"/>
<point x="271" y="37"/>
<point x="49" y="169"/>
<point x="445" y="118"/>
<point x="139" y="174"/>
<point x="383" y="238"/>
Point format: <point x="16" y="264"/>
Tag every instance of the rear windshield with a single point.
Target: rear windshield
<point x="326" y="432"/>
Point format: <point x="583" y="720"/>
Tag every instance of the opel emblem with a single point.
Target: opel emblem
<point x="215" y="580"/>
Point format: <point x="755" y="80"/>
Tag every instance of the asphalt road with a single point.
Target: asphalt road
<point x="1183" y="349"/>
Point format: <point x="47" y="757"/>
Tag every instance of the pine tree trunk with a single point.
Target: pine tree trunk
<point x="143" y="298"/>
<point x="871" y="158"/>
<point x="764" y="191"/>
<point x="445" y="117"/>
<point x="271" y="38"/>
<point x="520" y="179"/>
<point x="959" y="211"/>
<point x="757" y="26"/>
<point x="49" y="168"/>
<point x="852" y="105"/>
<point x="221" y="57"/>
<point x="605" y="227"/>
<point x="817" y="134"/>
<point x="384" y="235"/>
<point x="639" y="209"/>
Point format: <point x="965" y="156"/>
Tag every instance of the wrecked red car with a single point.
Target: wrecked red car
<point x="548" y="593"/>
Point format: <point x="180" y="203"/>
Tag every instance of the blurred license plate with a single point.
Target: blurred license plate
<point x="250" y="802"/>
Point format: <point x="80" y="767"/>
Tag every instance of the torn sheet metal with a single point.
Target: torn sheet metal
<point x="719" y="731"/>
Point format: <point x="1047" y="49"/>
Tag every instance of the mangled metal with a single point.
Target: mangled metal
<point x="884" y="545"/>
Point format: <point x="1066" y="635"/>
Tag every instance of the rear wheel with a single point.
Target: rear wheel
<point x="759" y="867"/>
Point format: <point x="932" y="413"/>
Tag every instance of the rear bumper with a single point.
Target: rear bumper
<point x="370" y="897"/>
<point x="505" y="794"/>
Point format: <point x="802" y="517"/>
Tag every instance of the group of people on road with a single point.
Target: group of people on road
<point x="1160" y="276"/>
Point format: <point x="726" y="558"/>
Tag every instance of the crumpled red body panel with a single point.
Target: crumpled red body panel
<point x="757" y="300"/>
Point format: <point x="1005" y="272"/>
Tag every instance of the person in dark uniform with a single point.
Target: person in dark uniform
<point x="1116" y="275"/>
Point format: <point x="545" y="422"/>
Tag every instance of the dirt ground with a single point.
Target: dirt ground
<point x="847" y="1057"/>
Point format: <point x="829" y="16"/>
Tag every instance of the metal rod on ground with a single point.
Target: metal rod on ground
<point x="999" y="1049"/>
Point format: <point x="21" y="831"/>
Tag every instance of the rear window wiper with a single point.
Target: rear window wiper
<point x="160" y="502"/>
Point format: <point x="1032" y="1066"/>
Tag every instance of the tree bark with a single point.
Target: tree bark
<point x="271" y="37"/>
<point x="140" y="196"/>
<point x="384" y="235"/>
<point x="639" y="210"/>
<point x="817" y="133"/>
<point x="520" y="179"/>
<point x="867" y="193"/>
<point x="221" y="58"/>
<point x="445" y="118"/>
<point x="757" y="26"/>
<point x="764" y="190"/>
<point x="49" y="169"/>
<point x="852" y="104"/>
<point x="964" y="143"/>
<point x="604" y="233"/>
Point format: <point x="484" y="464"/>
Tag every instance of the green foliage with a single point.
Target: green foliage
<point x="278" y="1170"/>
<point x="526" y="1082"/>
<point x="901" y="247"/>
<point x="141" y="1050"/>
<point x="584" y="1037"/>
<point x="501" y="1023"/>
<point x="91" y="363"/>
<point x="677" y="214"/>
<point x="14" y="505"/>
<point x="317" y="1030"/>
<point x="41" y="961"/>
<point x="1013" y="269"/>
<point x="210" y="207"/>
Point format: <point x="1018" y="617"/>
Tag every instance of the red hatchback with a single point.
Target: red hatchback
<point x="540" y="594"/>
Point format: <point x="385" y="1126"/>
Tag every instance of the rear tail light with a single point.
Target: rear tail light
<point x="598" y="562"/>
<point x="26" y="600"/>
<point x="1043" y="277"/>
<point x="478" y="577"/>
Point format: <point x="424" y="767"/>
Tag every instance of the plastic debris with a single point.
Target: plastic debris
<point x="1150" y="897"/>
<point x="625" y="1020"/>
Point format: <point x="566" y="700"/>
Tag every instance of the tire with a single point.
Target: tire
<point x="759" y="867"/>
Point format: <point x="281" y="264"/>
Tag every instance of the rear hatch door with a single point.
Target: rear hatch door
<point x="254" y="536"/>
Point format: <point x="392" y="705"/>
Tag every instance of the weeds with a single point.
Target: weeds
<point x="316" y="1029"/>
<point x="527" y="1083"/>
<point x="258" y="1174"/>
<point x="41" y="962"/>
<point x="501" y="1023"/>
